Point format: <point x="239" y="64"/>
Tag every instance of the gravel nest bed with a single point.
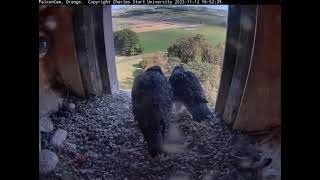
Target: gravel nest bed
<point x="102" y="144"/>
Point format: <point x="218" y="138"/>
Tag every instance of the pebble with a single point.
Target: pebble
<point x="48" y="161"/>
<point x="45" y="124"/>
<point x="70" y="147"/>
<point x="71" y="106"/>
<point x="116" y="149"/>
<point x="58" y="137"/>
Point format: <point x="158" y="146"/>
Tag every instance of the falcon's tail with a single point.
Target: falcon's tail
<point x="201" y="112"/>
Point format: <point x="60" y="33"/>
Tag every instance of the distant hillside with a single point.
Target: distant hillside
<point x="181" y="14"/>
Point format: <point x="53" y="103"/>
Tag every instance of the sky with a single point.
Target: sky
<point x="114" y="7"/>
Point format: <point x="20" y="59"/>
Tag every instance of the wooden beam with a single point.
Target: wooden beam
<point x="243" y="59"/>
<point x="95" y="49"/>
<point x="109" y="51"/>
<point x="230" y="56"/>
<point x="261" y="103"/>
<point x="85" y="47"/>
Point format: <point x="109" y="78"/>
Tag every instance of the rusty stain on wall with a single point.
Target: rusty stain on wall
<point x="59" y="65"/>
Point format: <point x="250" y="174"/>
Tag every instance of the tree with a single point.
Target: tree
<point x="127" y="43"/>
<point x="196" y="49"/>
<point x="188" y="49"/>
<point x="197" y="56"/>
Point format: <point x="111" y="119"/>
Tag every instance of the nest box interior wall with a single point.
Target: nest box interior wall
<point x="249" y="95"/>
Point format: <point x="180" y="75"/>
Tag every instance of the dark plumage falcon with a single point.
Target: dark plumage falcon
<point x="187" y="89"/>
<point x="151" y="106"/>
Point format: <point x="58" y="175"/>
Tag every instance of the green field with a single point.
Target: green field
<point x="213" y="25"/>
<point x="154" y="41"/>
<point x="127" y="70"/>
